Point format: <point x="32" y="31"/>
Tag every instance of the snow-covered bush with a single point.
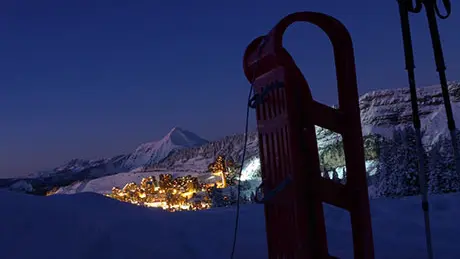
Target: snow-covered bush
<point x="22" y="186"/>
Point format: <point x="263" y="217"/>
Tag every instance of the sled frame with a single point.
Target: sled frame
<point x="286" y="120"/>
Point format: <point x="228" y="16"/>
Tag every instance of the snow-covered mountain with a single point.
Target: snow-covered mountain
<point x="94" y="168"/>
<point x="386" y="109"/>
<point x="197" y="159"/>
<point x="153" y="152"/>
<point x="77" y="170"/>
<point x="145" y="154"/>
<point x="180" y="150"/>
<point x="382" y="111"/>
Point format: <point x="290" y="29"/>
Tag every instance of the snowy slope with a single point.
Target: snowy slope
<point x="152" y="152"/>
<point x="94" y="167"/>
<point x="104" y="184"/>
<point x="197" y="159"/>
<point x="92" y="226"/>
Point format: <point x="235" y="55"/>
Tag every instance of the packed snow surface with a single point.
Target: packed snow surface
<point x="88" y="225"/>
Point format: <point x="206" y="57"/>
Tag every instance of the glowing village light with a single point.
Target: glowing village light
<point x="182" y="193"/>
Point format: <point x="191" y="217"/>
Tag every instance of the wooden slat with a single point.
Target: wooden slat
<point x="274" y="124"/>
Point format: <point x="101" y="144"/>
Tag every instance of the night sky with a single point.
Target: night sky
<point x="91" y="79"/>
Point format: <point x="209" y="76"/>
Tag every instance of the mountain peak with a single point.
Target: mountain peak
<point x="152" y="152"/>
<point x="180" y="137"/>
<point x="175" y="129"/>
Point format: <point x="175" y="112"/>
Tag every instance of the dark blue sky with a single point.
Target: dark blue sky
<point x="96" y="78"/>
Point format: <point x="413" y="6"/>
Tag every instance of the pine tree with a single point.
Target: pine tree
<point x="436" y="169"/>
<point x="410" y="162"/>
<point x="233" y="196"/>
<point x="252" y="196"/>
<point x="231" y="172"/>
<point x="218" y="165"/>
<point x="217" y="197"/>
<point x="448" y="180"/>
<point x="326" y="173"/>
<point x="344" y="176"/>
<point x="335" y="175"/>
<point x="398" y="169"/>
<point x="387" y="183"/>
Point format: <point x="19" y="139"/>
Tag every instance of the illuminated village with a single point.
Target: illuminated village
<point x="181" y="193"/>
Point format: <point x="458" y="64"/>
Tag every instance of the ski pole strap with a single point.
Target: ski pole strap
<point x="258" y="99"/>
<point x="447" y="6"/>
<point x="434" y="4"/>
<point x="410" y="5"/>
<point x="271" y="194"/>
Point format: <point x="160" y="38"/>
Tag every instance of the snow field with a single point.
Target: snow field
<point x="88" y="225"/>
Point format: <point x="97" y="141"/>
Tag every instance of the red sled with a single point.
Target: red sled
<point x="286" y="118"/>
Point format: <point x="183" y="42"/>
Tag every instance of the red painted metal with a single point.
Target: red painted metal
<point x="288" y="146"/>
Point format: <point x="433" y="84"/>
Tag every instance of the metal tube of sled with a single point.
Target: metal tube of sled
<point x="409" y="60"/>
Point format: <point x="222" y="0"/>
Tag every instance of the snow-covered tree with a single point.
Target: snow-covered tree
<point x="231" y="171"/>
<point x="387" y="183"/>
<point x="436" y="167"/>
<point x="233" y="198"/>
<point x="227" y="167"/>
<point x="217" y="197"/>
<point x="335" y="175"/>
<point x="409" y="162"/>
<point x="344" y="176"/>
<point x="218" y="165"/>
<point x="443" y="177"/>
<point x="398" y="174"/>
<point x="326" y="173"/>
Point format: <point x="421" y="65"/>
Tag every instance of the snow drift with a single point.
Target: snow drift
<point x="88" y="225"/>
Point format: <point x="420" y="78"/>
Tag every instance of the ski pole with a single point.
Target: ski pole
<point x="432" y="11"/>
<point x="404" y="8"/>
